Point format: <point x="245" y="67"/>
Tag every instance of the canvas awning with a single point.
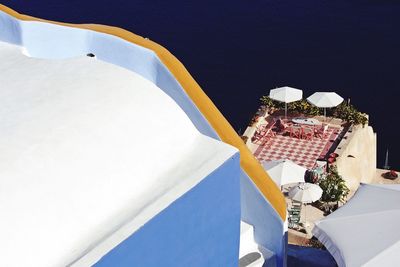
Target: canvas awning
<point x="364" y="232"/>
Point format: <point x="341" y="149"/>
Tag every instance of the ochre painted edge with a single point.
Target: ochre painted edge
<point x="223" y="128"/>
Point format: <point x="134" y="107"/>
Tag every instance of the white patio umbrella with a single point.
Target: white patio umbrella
<point x="286" y="94"/>
<point x="365" y="231"/>
<point x="284" y="171"/>
<point x="325" y="100"/>
<point x="305" y="193"/>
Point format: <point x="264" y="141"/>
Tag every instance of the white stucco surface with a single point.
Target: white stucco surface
<point x="357" y="156"/>
<point x="89" y="153"/>
<point x="249" y="253"/>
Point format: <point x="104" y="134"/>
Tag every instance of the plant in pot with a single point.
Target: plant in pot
<point x="334" y="189"/>
<point x="390" y="175"/>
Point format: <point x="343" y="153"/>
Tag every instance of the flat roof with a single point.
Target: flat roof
<point x="89" y="152"/>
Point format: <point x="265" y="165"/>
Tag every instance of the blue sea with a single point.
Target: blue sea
<point x="238" y="50"/>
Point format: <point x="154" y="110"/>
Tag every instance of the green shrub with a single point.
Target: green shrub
<point x="349" y="114"/>
<point x="270" y="103"/>
<point x="302" y="106"/>
<point x="344" y="111"/>
<point x="333" y="186"/>
<point x="315" y="243"/>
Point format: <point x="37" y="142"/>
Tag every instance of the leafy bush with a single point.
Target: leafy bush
<point x="344" y="111"/>
<point x="302" y="106"/>
<point x="254" y="120"/>
<point x="315" y="243"/>
<point x="333" y="186"/>
<point x="349" y="114"/>
<point x="270" y="103"/>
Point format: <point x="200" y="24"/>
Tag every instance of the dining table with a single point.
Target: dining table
<point x="307" y="121"/>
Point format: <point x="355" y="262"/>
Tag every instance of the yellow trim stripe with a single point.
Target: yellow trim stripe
<point x="224" y="130"/>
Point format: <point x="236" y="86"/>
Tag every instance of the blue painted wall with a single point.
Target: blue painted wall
<point x="202" y="228"/>
<point x="269" y="230"/>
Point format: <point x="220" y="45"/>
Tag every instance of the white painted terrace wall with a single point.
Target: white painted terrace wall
<point x="357" y="156"/>
<point x="50" y="41"/>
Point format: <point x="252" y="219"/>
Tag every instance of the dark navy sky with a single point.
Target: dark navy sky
<point x="238" y="50"/>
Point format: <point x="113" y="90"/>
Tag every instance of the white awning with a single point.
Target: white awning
<point x="286" y="94"/>
<point x="284" y="171"/>
<point x="325" y="99"/>
<point x="365" y="231"/>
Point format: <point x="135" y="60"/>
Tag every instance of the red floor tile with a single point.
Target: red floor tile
<point x="302" y="152"/>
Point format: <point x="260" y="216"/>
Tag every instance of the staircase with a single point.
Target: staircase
<point x="250" y="253"/>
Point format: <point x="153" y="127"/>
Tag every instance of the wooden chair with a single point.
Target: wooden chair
<point x="262" y="134"/>
<point x="280" y="125"/>
<point x="322" y="132"/>
<point x="308" y="133"/>
<point x="296" y="131"/>
<point x="269" y="134"/>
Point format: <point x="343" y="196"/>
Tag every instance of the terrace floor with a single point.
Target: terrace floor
<point x="302" y="152"/>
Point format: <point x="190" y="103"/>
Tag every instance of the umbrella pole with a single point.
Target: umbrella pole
<point x="305" y="224"/>
<point x="324" y="114"/>
<point x="285" y="110"/>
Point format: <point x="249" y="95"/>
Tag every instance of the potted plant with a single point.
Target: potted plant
<point x="334" y="189"/>
<point x="390" y="175"/>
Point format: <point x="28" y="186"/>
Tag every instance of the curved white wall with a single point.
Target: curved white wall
<point x="45" y="40"/>
<point x="50" y="41"/>
<point x="88" y="149"/>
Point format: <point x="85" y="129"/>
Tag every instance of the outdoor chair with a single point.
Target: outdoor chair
<point x="262" y="128"/>
<point x="296" y="131"/>
<point x="268" y="135"/>
<point x="280" y="125"/>
<point x="294" y="225"/>
<point x="308" y="133"/>
<point x="260" y="133"/>
<point x="296" y="204"/>
<point x="322" y="131"/>
<point x="294" y="212"/>
<point x="293" y="222"/>
<point x="294" y="217"/>
<point x="288" y="129"/>
<point x="256" y="137"/>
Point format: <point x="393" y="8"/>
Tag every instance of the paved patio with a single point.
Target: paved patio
<point x="303" y="152"/>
